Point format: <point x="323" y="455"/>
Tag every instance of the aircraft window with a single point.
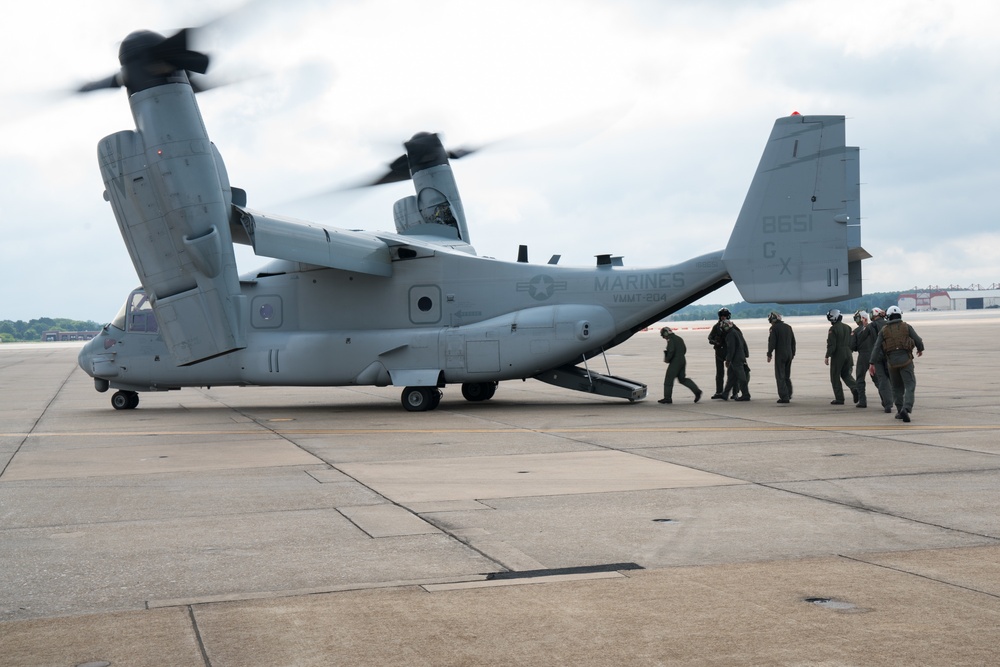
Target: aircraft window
<point x="140" y="314"/>
<point x="424" y="303"/>
<point x="119" y="321"/>
<point x="266" y="311"/>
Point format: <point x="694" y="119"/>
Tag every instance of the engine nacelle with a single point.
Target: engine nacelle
<point x="436" y="209"/>
<point x="171" y="197"/>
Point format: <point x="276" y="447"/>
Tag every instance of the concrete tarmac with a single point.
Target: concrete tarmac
<point x="327" y="526"/>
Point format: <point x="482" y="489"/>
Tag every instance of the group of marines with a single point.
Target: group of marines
<point x="883" y="342"/>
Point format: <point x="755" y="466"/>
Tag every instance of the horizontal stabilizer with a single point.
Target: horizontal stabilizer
<point x="798" y="235"/>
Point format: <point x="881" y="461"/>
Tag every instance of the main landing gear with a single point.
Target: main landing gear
<point x="421" y="399"/>
<point x="479" y="391"/>
<point x="125" y="400"/>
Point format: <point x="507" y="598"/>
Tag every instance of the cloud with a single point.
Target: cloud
<point x="688" y="92"/>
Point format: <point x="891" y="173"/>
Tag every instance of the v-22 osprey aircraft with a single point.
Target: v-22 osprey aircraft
<point x="417" y="308"/>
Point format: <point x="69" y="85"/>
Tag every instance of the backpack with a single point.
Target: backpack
<point x="895" y="337"/>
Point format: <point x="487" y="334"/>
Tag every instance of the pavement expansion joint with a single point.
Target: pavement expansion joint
<point x="268" y="595"/>
<point x="584" y="569"/>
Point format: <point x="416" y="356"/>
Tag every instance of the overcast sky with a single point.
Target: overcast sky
<point x="629" y="127"/>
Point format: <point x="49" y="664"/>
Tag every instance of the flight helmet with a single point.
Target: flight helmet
<point x="834" y="316"/>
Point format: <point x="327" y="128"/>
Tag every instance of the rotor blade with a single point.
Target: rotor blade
<point x="201" y="83"/>
<point x="113" y="81"/>
<point x="459" y="153"/>
<point x="399" y="170"/>
<point x="174" y="51"/>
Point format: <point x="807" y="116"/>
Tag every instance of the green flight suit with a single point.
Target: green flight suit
<point x="862" y="342"/>
<point x="674" y="357"/>
<point x="781" y="343"/>
<point x="738" y="380"/>
<point x="838" y="351"/>
<point x="900" y="362"/>
<point x="881" y="371"/>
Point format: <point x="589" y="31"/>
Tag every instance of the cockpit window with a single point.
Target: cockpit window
<point x="136" y="316"/>
<point x="119" y="321"/>
<point x="141" y="318"/>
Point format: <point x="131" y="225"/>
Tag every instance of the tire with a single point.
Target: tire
<point x="420" y="399"/>
<point x="124" y="400"/>
<point x="478" y="391"/>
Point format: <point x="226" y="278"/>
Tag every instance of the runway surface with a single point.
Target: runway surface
<point x="316" y="526"/>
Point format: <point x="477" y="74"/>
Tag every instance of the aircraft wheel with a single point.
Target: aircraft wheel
<point x="420" y="399"/>
<point x="125" y="400"/>
<point x="479" y="391"/>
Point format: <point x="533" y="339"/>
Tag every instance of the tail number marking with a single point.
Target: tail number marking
<point x="783" y="224"/>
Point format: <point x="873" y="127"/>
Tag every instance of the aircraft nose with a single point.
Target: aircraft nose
<point x="97" y="362"/>
<point x="86" y="357"/>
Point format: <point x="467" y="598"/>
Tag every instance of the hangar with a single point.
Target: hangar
<point x="949" y="299"/>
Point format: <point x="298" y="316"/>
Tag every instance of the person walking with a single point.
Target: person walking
<point x="839" y="358"/>
<point x="736" y="361"/>
<point x="674" y="357"/>
<point x="781" y="346"/>
<point x="862" y="342"/>
<point x="717" y="339"/>
<point x="881" y="370"/>
<point x="895" y="344"/>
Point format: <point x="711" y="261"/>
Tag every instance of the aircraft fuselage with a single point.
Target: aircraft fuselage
<point x="446" y="318"/>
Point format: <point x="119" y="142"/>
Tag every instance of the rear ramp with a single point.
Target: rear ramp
<point x="587" y="381"/>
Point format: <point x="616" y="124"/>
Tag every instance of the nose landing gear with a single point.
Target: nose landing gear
<point x="125" y="400"/>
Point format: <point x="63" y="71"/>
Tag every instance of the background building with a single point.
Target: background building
<point x="62" y="336"/>
<point x="950" y="299"/>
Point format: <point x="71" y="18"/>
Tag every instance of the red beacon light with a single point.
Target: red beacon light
<point x="796" y="113"/>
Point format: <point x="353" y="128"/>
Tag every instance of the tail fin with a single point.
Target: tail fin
<point x="798" y="235"/>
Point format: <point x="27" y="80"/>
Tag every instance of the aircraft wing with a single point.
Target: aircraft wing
<point x="335" y="247"/>
<point x="300" y="241"/>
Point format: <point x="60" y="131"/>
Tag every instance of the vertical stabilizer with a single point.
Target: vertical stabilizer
<point x="798" y="235"/>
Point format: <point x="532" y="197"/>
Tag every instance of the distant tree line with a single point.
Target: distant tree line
<point x="11" y="331"/>
<point x="746" y="311"/>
